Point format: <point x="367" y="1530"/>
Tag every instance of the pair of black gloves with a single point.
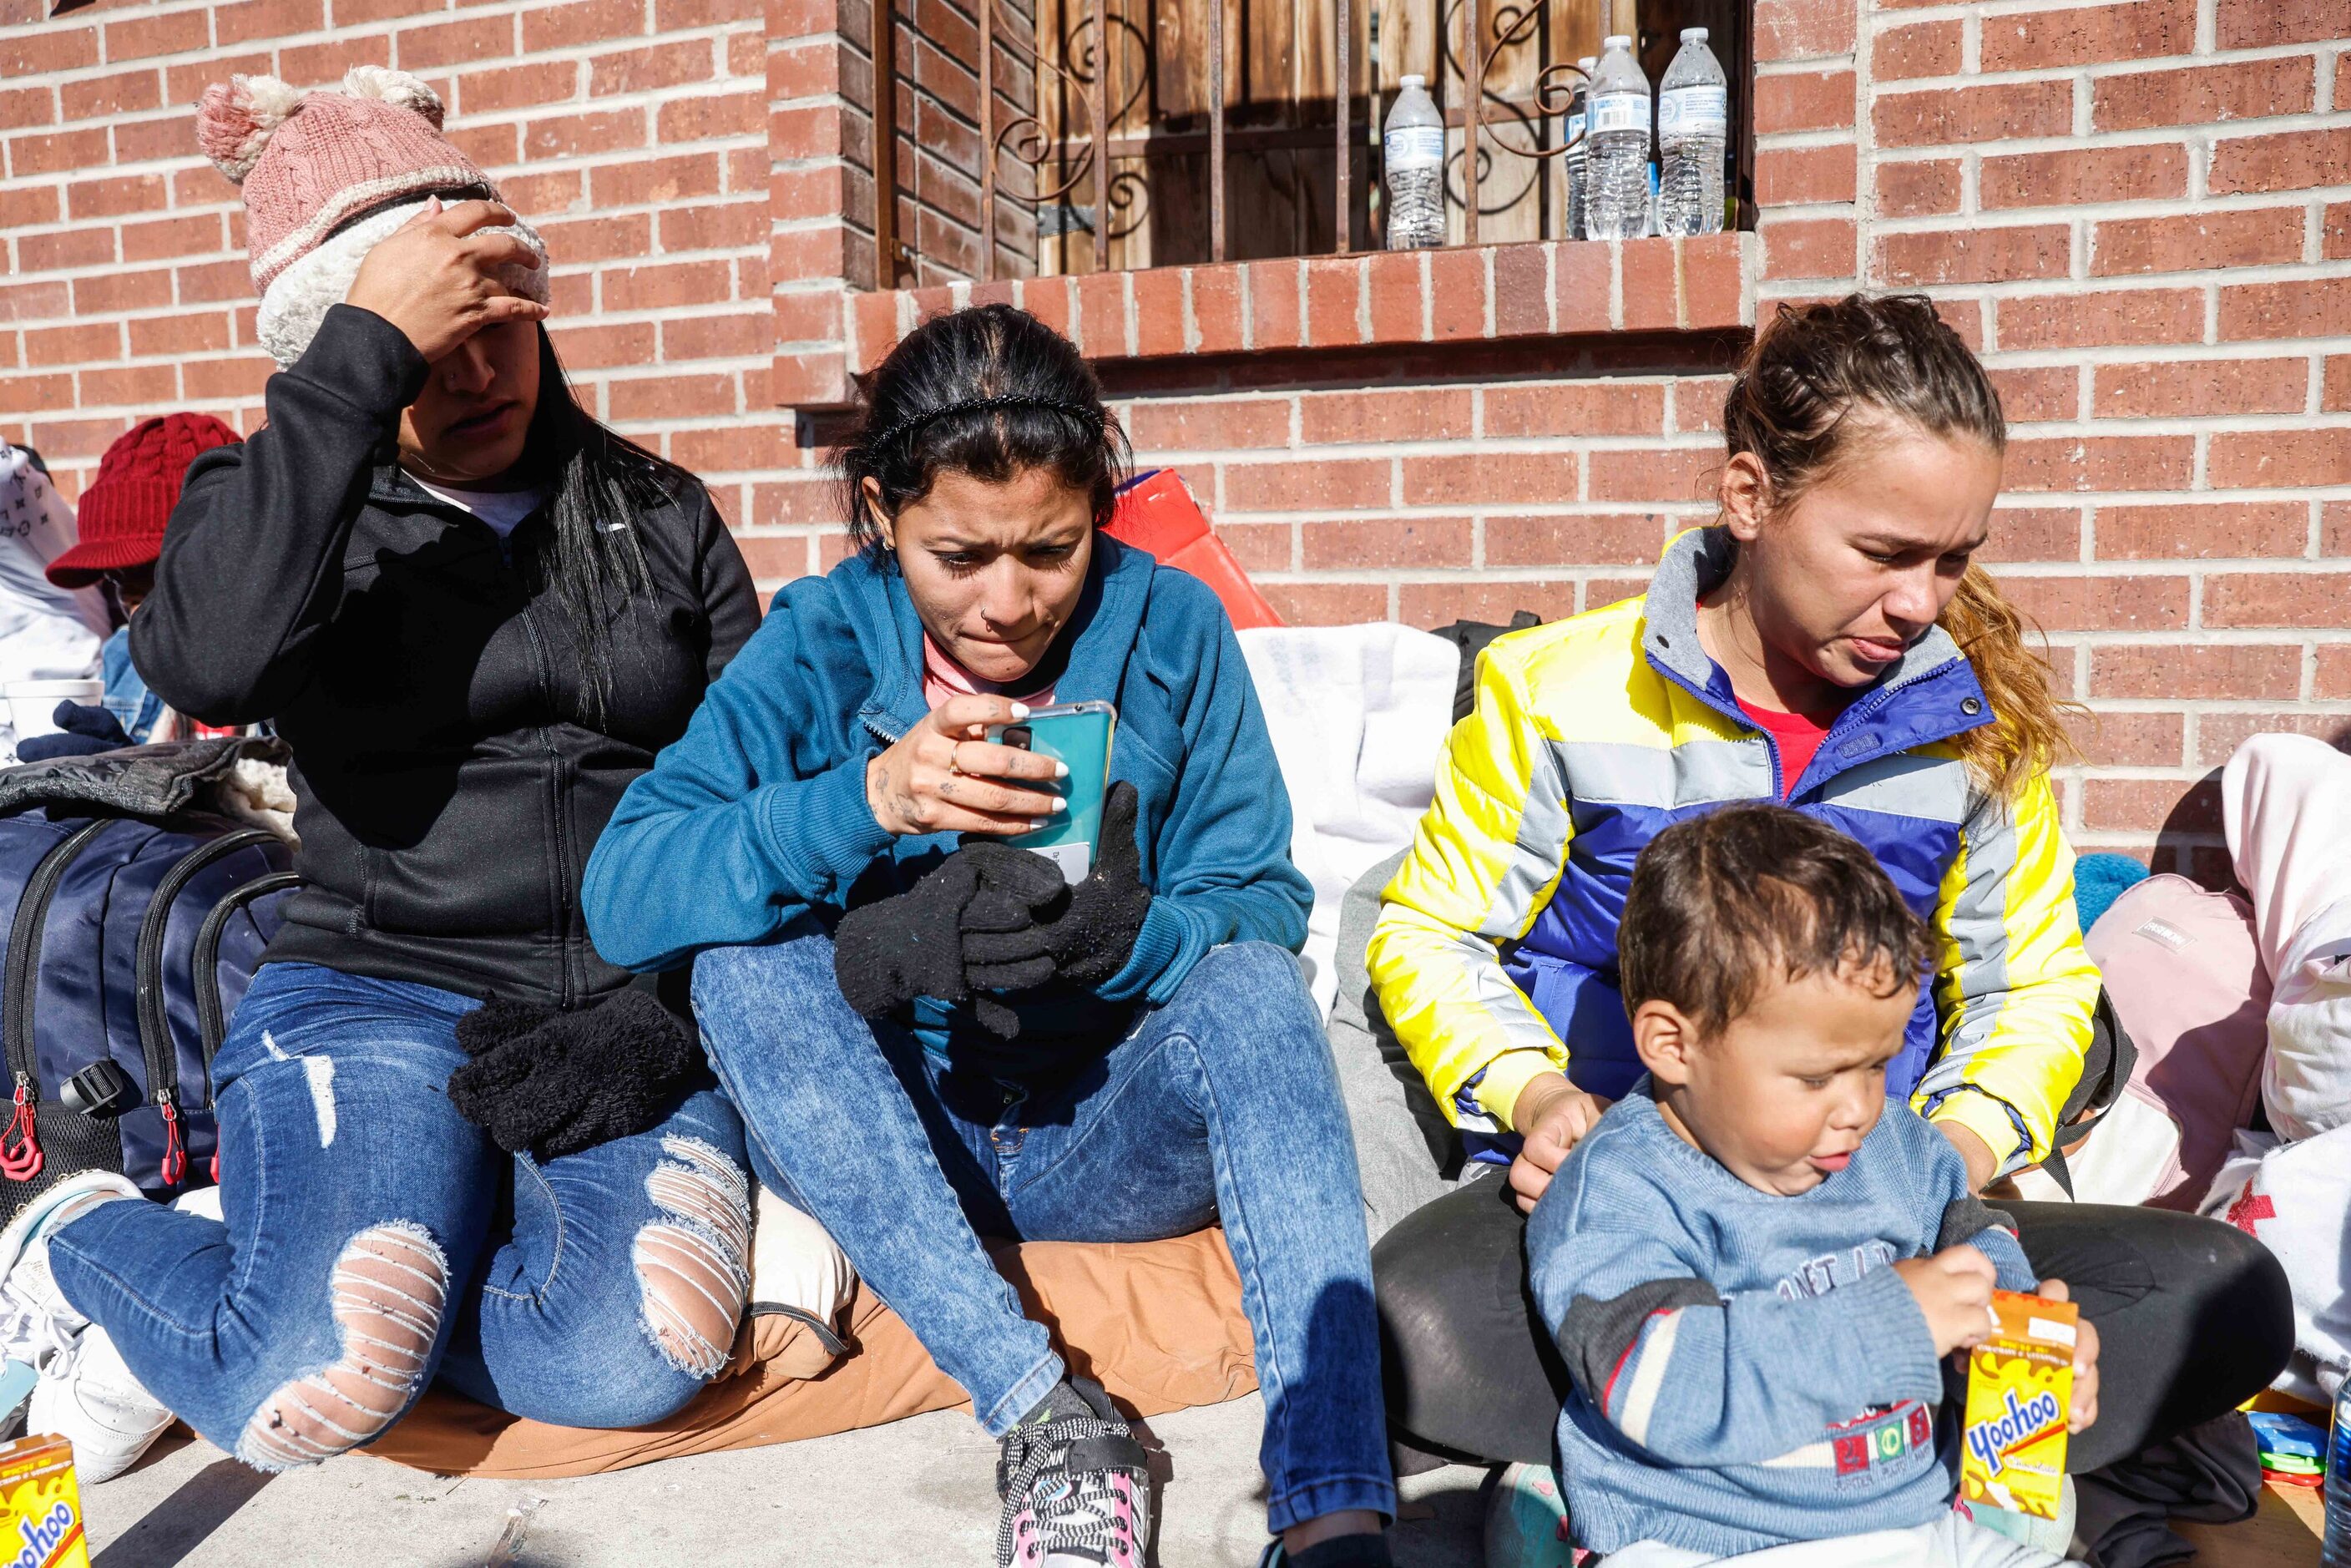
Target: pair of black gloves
<point x="994" y="918"/>
<point x="84" y="729"/>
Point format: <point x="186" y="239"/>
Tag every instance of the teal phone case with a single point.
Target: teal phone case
<point x="1077" y="735"/>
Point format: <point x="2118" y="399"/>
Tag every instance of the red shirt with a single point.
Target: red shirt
<point x="1798" y="737"/>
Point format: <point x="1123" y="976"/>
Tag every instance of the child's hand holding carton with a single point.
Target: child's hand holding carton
<point x="2030" y="1384"/>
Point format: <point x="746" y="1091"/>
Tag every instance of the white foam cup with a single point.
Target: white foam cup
<point x="32" y="704"/>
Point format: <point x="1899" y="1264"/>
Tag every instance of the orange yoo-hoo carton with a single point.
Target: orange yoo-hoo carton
<point x="43" y="1506"/>
<point x="2019" y="1385"/>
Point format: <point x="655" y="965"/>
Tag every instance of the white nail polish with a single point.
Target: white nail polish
<point x="1060" y="807"/>
<point x="1041" y="822"/>
<point x="1019" y="710"/>
<point x="1060" y="768"/>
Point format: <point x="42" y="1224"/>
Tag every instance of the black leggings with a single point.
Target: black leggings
<point x="2194" y="1317"/>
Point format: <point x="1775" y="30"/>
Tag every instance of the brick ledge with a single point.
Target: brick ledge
<point x="1486" y="294"/>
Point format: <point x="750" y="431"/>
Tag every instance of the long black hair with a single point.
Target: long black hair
<point x="990" y="391"/>
<point x="598" y="484"/>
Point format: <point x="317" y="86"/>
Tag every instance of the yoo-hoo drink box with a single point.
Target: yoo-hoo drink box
<point x="42" y="1504"/>
<point x="2019" y="1385"/>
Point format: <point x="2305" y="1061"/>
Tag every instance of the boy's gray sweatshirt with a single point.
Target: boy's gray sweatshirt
<point x="1747" y="1370"/>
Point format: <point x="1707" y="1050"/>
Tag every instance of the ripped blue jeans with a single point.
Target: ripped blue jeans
<point x="375" y="1238"/>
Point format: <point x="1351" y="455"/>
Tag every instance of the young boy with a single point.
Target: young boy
<point x="1755" y="1267"/>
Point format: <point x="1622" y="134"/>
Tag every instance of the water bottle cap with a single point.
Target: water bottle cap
<point x="1617" y="41"/>
<point x="1692" y="34"/>
<point x="1412" y="81"/>
<point x="1588" y="61"/>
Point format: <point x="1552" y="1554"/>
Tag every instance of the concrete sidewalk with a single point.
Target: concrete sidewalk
<point x="920" y="1491"/>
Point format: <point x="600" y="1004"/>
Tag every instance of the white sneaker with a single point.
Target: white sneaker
<point x="35" y="1319"/>
<point x="85" y="1392"/>
<point x="89" y="1397"/>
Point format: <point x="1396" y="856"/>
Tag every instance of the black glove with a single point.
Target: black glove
<point x="1004" y="924"/>
<point x="1018" y="889"/>
<point x="85" y="730"/>
<point x="46" y="747"/>
<point x="887" y="952"/>
<point x="556" y="1082"/>
<point x="93" y="719"/>
<point x="1087" y="938"/>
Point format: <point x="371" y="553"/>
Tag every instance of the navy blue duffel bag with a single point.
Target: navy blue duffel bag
<point x="129" y="945"/>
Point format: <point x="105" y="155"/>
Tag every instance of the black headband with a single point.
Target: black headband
<point x="1088" y="415"/>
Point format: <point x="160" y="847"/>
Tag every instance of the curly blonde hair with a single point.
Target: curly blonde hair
<point x="1790" y="405"/>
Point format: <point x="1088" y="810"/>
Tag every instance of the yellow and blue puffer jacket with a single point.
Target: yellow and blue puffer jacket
<point x="1495" y="955"/>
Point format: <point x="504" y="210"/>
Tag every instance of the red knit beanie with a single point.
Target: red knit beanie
<point x="122" y="514"/>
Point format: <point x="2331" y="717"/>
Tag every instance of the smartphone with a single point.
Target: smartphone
<point x="1077" y="735"/>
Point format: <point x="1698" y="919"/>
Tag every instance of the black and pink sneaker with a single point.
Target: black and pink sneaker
<point x="1075" y="1484"/>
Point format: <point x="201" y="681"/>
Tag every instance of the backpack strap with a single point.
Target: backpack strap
<point x="212" y="1022"/>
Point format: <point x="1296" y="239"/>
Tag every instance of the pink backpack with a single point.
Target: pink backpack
<point x="2184" y="975"/>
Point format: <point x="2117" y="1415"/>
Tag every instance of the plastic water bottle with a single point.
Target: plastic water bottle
<point x="1617" y="201"/>
<point x="1412" y="144"/>
<point x="1693" y="125"/>
<point x="2336" y="1551"/>
<point x="1578" y="155"/>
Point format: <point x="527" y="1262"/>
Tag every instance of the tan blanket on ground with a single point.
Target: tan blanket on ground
<point x="1158" y="1323"/>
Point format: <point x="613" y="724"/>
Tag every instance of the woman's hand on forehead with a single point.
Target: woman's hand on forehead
<point x="437" y="276"/>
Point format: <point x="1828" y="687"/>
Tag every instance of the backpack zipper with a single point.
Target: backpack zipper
<point x="154" y="1021"/>
<point x="20" y="1149"/>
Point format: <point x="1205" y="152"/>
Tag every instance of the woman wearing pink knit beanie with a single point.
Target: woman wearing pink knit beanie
<point x="475" y="614"/>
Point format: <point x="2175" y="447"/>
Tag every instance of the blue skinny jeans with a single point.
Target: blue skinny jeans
<point x="1223" y="1104"/>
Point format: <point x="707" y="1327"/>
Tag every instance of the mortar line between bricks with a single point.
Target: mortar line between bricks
<point x="1803" y="141"/>
<point x="2067" y="289"/>
<point x="2093" y="71"/>
<point x="2122" y="139"/>
<point x="2121" y="210"/>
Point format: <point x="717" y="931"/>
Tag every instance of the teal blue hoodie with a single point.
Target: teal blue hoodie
<point x="758" y="817"/>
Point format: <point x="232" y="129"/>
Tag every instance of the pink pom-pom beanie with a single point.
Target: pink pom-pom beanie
<point x="325" y="175"/>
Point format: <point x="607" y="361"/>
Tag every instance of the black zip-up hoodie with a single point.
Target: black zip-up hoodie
<point x="449" y="778"/>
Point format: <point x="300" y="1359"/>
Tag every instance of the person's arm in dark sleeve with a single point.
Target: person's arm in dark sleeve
<point x="728" y="599"/>
<point x="252" y="566"/>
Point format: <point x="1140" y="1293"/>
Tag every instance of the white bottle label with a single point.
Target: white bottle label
<point x="1620" y="112"/>
<point x="1694" y="111"/>
<point x="1575" y="125"/>
<point x="1414" y="146"/>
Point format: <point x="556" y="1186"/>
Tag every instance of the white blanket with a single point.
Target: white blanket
<point x="2293" y="1199"/>
<point x="2285" y="805"/>
<point x="1359" y="715"/>
<point x="47" y="632"/>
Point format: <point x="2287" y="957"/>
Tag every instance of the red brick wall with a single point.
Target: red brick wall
<point x="631" y="132"/>
<point x="2155" y="256"/>
<point x="2140" y="213"/>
